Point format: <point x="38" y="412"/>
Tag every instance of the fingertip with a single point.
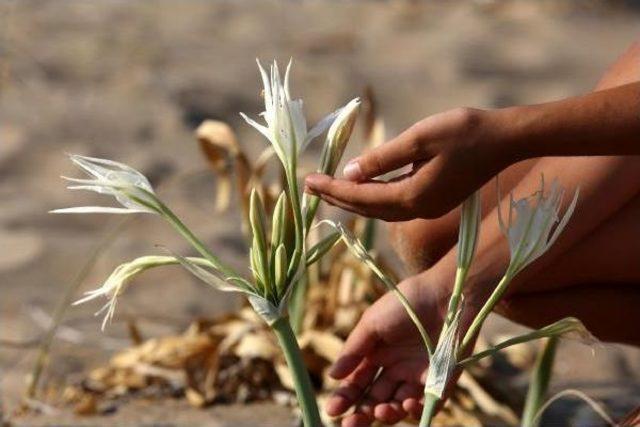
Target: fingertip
<point x="352" y="171"/>
<point x="337" y="405"/>
<point x="357" y="420"/>
<point x="316" y="181"/>
<point x="413" y="407"/>
<point x="390" y="413"/>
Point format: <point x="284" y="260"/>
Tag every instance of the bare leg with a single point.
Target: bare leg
<point x="597" y="281"/>
<point x="420" y="243"/>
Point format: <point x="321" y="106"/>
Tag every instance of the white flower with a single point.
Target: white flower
<point x="116" y="283"/>
<point x="286" y="126"/>
<point x="529" y="235"/>
<point x="130" y="188"/>
<point x="121" y="277"/>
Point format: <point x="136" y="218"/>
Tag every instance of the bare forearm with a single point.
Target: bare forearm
<point x="605" y="122"/>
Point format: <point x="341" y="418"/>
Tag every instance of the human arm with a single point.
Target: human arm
<point x="454" y="153"/>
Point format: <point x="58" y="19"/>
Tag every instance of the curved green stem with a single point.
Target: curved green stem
<point x="426" y="340"/>
<point x="487" y="308"/>
<point x="194" y="241"/>
<point x="301" y="380"/>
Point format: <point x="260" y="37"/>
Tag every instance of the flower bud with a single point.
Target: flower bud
<point x="322" y="247"/>
<point x="280" y="268"/>
<point x="279" y="221"/>
<point x="257" y="220"/>
<point x="469" y="227"/>
<point x="338" y="137"/>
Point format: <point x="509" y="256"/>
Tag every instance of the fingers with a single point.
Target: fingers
<point x="388" y="357"/>
<point x="390" y="408"/>
<point x="357" y="419"/>
<point x="390" y="413"/>
<point x="409" y="391"/>
<point x="351" y="390"/>
<point x="400" y="151"/>
<point x="384" y="387"/>
<point x="385" y="200"/>
<point x="413" y="407"/>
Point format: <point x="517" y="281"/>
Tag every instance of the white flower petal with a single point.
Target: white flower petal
<point x="97" y="209"/>
<point x="130" y="188"/>
<point x="565" y="219"/>
<point x="265" y="83"/>
<point x="260" y="128"/>
<point x="529" y="234"/>
<point x="89" y="296"/>
<point x="299" y="123"/>
<point x="286" y="80"/>
<point x="319" y="129"/>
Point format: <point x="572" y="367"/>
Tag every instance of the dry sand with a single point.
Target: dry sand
<point x="130" y="80"/>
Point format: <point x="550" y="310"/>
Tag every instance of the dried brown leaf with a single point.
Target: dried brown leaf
<point x="87" y="405"/>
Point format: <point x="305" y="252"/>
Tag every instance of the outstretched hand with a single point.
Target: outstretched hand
<point x="451" y="154"/>
<point x="383" y="363"/>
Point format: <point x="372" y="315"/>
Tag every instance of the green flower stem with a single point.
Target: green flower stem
<point x="194" y="241"/>
<point x="409" y="309"/>
<point x="454" y="302"/>
<point x="428" y="409"/>
<point x="487" y="308"/>
<point x="301" y="380"/>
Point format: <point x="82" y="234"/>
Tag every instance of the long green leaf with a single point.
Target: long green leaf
<point x="569" y="326"/>
<point x="539" y="383"/>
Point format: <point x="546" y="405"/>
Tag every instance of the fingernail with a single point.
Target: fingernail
<point x="352" y="171"/>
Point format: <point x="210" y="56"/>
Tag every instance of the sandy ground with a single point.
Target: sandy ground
<point x="130" y="81"/>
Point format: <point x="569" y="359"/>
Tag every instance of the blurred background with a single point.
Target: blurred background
<point x="130" y="81"/>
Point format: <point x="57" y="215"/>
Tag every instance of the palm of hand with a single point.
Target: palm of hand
<point x="386" y="340"/>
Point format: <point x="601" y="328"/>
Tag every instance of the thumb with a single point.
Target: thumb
<point x="400" y="151"/>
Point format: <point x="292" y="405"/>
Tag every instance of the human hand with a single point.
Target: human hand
<point x="452" y="154"/>
<point x="386" y="338"/>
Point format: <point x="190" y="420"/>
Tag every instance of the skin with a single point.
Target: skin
<point x="591" y="272"/>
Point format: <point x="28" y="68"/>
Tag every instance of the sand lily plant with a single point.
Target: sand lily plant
<point x="277" y="258"/>
<point x="532" y="227"/>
